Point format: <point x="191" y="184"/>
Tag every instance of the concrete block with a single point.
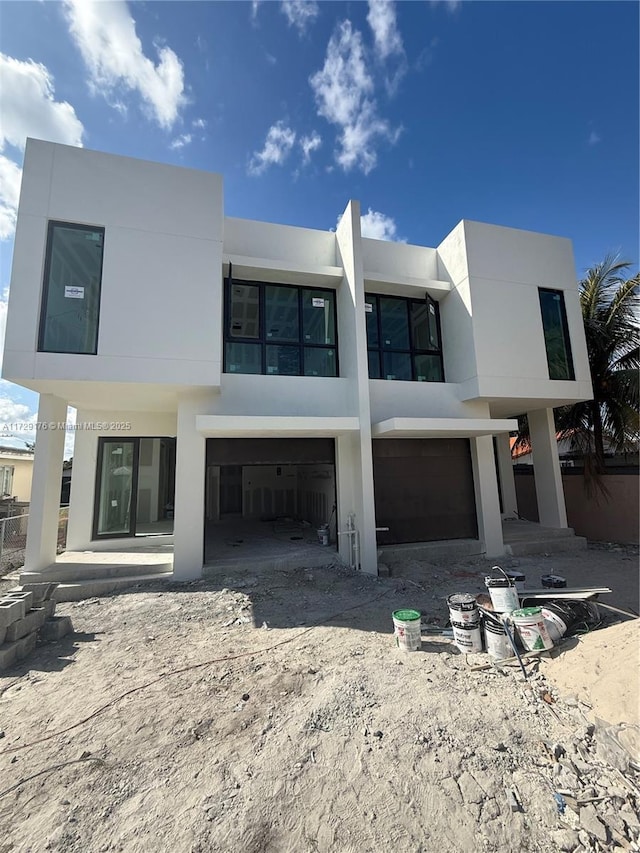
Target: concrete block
<point x="49" y="607"/>
<point x="11" y="609"/>
<point x="8" y="655"/>
<point x="41" y="591"/>
<point x="25" y="645"/>
<point x="19" y="595"/>
<point x="55" y="629"/>
<point x="31" y="622"/>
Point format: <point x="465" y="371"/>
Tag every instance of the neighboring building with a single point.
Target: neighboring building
<point x="227" y="366"/>
<point x="16" y="470"/>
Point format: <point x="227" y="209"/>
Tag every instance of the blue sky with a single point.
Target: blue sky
<point x="514" y="113"/>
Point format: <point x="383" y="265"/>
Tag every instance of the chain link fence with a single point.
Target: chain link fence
<point x="13" y="539"/>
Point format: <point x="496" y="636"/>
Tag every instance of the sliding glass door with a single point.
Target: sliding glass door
<point x="117" y="473"/>
<point x="135" y="487"/>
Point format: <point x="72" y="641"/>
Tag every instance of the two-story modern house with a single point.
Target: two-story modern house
<point x="227" y="367"/>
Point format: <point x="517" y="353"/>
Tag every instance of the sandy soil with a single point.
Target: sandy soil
<point x="274" y="713"/>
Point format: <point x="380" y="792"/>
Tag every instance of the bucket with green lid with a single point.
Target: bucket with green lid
<point x="406" y="629"/>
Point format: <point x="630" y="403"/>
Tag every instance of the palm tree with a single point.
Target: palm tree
<point x="609" y="303"/>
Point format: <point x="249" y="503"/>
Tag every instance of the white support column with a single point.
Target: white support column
<point x="83" y="483"/>
<point x="507" y="480"/>
<point x="485" y="485"/>
<point x="44" y="507"/>
<point x="188" y="525"/>
<point x="354" y="365"/>
<point x="546" y="469"/>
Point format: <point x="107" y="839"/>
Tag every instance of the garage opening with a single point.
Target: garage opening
<point x="424" y="489"/>
<point x="265" y="496"/>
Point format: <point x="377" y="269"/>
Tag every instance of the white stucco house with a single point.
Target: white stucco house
<point x="228" y="367"/>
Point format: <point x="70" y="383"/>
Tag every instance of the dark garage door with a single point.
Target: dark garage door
<point x="424" y="489"/>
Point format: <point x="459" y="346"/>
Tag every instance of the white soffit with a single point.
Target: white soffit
<point x="441" y="427"/>
<point x="280" y="271"/>
<point x="404" y="285"/>
<point x="248" y="426"/>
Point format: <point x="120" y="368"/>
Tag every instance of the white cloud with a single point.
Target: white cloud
<point x="277" y="147"/>
<point x="344" y="96"/>
<point x="105" y="34"/>
<point x="28" y="108"/>
<point x="255" y="5"/>
<point x="10" y="175"/>
<point x="387" y="41"/>
<point x="594" y="138"/>
<point x="309" y="144"/>
<point x="382" y="20"/>
<point x="378" y="226"/>
<point x="180" y="141"/>
<point x="199" y="123"/>
<point x="300" y="13"/>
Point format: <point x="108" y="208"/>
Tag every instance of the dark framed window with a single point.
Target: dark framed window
<point x="279" y="329"/>
<point x="556" y="334"/>
<point x="403" y="339"/>
<point x="71" y="291"/>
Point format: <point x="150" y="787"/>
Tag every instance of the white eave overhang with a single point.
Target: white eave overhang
<point x="442" y="427"/>
<point x="405" y="285"/>
<point x="247" y="426"/>
<point x="278" y="271"/>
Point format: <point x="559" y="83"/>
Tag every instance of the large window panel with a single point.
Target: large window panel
<point x="243" y="358"/>
<point x="280" y="329"/>
<point x="320" y="361"/>
<point x="403" y="339"/>
<point x="318" y="317"/>
<point x="556" y="334"/>
<point x="284" y="361"/>
<point x="281" y="313"/>
<point x="394" y="323"/>
<point x="244" y="311"/>
<point x="71" y="293"/>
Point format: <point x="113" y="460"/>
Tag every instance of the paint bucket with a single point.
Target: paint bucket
<point x="564" y="617"/>
<point x="463" y="608"/>
<point x="467" y="636"/>
<point x="323" y="534"/>
<point x="553" y="582"/>
<point x="406" y="628"/>
<point x="496" y="641"/>
<point x="518" y="579"/>
<point x="531" y="628"/>
<point x="504" y="596"/>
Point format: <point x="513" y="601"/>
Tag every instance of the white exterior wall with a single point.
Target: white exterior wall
<point x="162" y="266"/>
<point x="166" y="249"/>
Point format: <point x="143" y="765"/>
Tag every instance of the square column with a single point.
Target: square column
<point x="44" y="507"/>
<point x="485" y="484"/>
<point x="507" y="480"/>
<point x="546" y="469"/>
<point x="188" y="524"/>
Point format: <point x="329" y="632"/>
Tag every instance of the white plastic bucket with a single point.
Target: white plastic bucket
<point x="323" y="535"/>
<point x="496" y="641"/>
<point x="531" y="628"/>
<point x="504" y="596"/>
<point x="467" y="636"/>
<point x="406" y="628"/>
<point x="463" y="608"/>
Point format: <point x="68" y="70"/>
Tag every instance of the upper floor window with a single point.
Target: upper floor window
<point x="71" y="293"/>
<point x="403" y="339"/>
<point x="556" y="334"/>
<point x="280" y="329"/>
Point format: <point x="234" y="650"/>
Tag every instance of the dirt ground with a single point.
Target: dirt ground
<point x="273" y="713"/>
